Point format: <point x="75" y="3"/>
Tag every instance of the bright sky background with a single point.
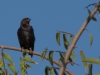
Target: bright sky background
<point x="48" y="16"/>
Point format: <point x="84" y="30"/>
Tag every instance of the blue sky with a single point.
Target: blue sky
<point x="48" y="16"/>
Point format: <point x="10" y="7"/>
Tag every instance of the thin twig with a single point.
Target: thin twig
<point x="54" y="68"/>
<point x="56" y="51"/>
<point x="87" y="30"/>
<point x="74" y="63"/>
<point x="67" y="33"/>
<point x="90" y="5"/>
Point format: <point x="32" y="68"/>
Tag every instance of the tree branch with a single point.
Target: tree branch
<point x="37" y="54"/>
<point x="67" y="55"/>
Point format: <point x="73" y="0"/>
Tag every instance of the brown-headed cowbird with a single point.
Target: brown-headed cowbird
<point x="26" y="35"/>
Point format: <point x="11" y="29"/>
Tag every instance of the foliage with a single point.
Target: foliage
<point x="60" y="36"/>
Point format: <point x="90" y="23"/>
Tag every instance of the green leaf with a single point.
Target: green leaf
<point x="22" y="63"/>
<point x="71" y="61"/>
<point x="51" y="57"/>
<point x="12" y="68"/>
<point x="4" y="73"/>
<point x="93" y="18"/>
<point x="89" y="11"/>
<point x="1" y="71"/>
<point x="47" y="70"/>
<point x="28" y="59"/>
<point x="58" y="37"/>
<point x="83" y="58"/>
<point x="97" y="74"/>
<point x="1" y="63"/>
<point x="90" y="69"/>
<point x="55" y="72"/>
<point x="51" y="71"/>
<point x="44" y="53"/>
<point x="66" y="44"/>
<point x="92" y="60"/>
<point x="91" y="39"/>
<point x="62" y="60"/>
<point x="65" y="41"/>
<point x="27" y="66"/>
<point x="7" y="56"/>
<point x="23" y="71"/>
<point x="23" y="66"/>
<point x="72" y="54"/>
<point x="71" y="39"/>
<point x="22" y="60"/>
<point x="61" y="55"/>
<point x="24" y="52"/>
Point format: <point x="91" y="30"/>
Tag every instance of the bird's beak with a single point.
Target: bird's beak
<point x="28" y="19"/>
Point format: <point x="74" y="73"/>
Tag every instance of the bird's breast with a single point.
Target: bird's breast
<point x="26" y="36"/>
<point x="26" y="33"/>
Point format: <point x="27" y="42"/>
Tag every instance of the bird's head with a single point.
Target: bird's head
<point x="25" y="22"/>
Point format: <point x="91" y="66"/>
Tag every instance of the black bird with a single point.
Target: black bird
<point x="26" y="35"/>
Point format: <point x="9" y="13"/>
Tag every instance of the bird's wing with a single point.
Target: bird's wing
<point x="21" y="37"/>
<point x="31" y="37"/>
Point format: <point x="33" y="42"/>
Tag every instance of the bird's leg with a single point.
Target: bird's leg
<point x="30" y="52"/>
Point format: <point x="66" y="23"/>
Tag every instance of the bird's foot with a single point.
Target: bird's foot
<point x="31" y="53"/>
<point x="22" y="49"/>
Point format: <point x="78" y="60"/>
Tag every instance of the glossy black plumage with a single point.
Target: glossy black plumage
<point x="26" y="35"/>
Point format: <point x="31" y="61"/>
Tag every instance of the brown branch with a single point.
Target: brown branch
<point x="37" y="54"/>
<point x="62" y="69"/>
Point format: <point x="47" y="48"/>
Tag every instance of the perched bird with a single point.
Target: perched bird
<point x="26" y="35"/>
